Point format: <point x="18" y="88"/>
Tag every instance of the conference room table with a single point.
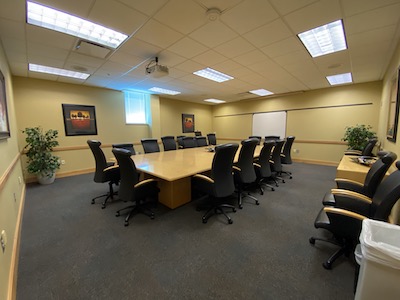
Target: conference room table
<point x="174" y="170"/>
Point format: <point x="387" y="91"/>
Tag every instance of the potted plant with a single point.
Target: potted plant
<point x="357" y="136"/>
<point x="39" y="147"/>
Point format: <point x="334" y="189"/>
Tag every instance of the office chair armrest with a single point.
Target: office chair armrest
<point x="352" y="152"/>
<point x="348" y="184"/>
<point x="344" y="212"/>
<point x="236" y="168"/>
<point x="352" y="201"/>
<point x="204" y="177"/>
<point x="144" y="182"/>
<point x="257" y="165"/>
<point x="114" y="167"/>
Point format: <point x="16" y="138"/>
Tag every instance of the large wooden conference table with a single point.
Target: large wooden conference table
<point x="174" y="170"/>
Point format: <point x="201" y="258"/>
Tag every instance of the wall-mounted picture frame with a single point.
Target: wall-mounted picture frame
<point x="393" y="117"/>
<point x="4" y="124"/>
<point x="187" y="123"/>
<point x="79" y="119"/>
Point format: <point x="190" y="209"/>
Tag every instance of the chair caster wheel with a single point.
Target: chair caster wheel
<point x="241" y="206"/>
<point x="117" y="214"/>
<point x="262" y="193"/>
<point x="204" y="220"/>
<point x="234" y="210"/>
<point x="257" y="203"/>
<point x="290" y="177"/>
<point x="152" y="217"/>
<point x="283" y="181"/>
<point x="327" y="265"/>
<point x="92" y="202"/>
<point x="273" y="189"/>
<point x="230" y="221"/>
<point x="126" y="223"/>
<point x="103" y="206"/>
<point x="312" y="240"/>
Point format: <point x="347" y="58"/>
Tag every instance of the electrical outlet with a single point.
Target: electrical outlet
<point x="296" y="150"/>
<point x="3" y="240"/>
<point x="63" y="162"/>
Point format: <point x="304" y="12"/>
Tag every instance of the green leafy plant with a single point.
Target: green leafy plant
<point x="39" y="151"/>
<point x="357" y="136"/>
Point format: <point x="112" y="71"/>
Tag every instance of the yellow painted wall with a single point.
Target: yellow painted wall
<point x="317" y="116"/>
<point x="12" y="191"/>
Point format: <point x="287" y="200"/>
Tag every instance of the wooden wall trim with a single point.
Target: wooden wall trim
<point x="296" y="141"/>
<point x="8" y="171"/>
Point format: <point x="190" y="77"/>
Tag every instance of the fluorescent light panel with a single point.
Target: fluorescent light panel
<point x="214" y="101"/>
<point x="325" y="39"/>
<point x="164" y="91"/>
<point x="57" y="71"/>
<point x="261" y="92"/>
<point x="213" y="75"/>
<point x="340" y="79"/>
<point x="59" y="21"/>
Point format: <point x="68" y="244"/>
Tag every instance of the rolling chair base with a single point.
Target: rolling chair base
<point x="243" y="195"/>
<point x="218" y="210"/>
<point x="135" y="209"/>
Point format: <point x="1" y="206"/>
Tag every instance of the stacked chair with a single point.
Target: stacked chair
<point x="343" y="216"/>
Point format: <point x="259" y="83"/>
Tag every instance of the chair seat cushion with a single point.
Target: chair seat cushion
<point x="322" y="220"/>
<point x="328" y="200"/>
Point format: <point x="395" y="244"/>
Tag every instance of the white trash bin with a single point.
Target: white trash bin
<point x="379" y="276"/>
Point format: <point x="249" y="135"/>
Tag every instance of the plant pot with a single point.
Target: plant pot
<point x="44" y="179"/>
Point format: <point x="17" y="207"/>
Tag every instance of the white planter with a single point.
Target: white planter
<point x="44" y="179"/>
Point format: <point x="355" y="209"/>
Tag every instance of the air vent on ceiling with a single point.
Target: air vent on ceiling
<point x="92" y="49"/>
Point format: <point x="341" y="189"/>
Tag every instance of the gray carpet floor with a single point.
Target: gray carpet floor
<point x="71" y="249"/>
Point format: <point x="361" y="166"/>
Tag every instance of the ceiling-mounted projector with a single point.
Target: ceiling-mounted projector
<point x="153" y="69"/>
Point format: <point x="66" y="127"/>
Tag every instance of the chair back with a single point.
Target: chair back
<point x="189" y="142"/>
<point x="263" y="159"/>
<point x="129" y="174"/>
<point x="286" y="157"/>
<point x="272" y="137"/>
<point x="201" y="141"/>
<point x="100" y="159"/>
<point x="259" y="138"/>
<point x="386" y="196"/>
<point x="179" y="139"/>
<point x="212" y="139"/>
<point x="150" y="145"/>
<point x="367" y="151"/>
<point x="168" y="143"/>
<point x="377" y="172"/>
<point x="276" y="155"/>
<point x="222" y="169"/>
<point x="126" y="146"/>
<point x="197" y="133"/>
<point x="246" y="159"/>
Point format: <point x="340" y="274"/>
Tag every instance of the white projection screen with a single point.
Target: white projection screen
<point x="271" y="123"/>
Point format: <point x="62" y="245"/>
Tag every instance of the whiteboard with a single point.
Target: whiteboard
<point x="271" y="123"/>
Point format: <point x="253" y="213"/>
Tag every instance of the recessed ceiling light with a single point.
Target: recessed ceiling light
<point x="340" y="79"/>
<point x="59" y="21"/>
<point x="261" y="92"/>
<point x="57" y="71"/>
<point x="325" y="39"/>
<point x="213" y="75"/>
<point x="214" y="101"/>
<point x="164" y="91"/>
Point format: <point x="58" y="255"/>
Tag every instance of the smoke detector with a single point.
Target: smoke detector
<point x="153" y="69"/>
<point x="213" y="14"/>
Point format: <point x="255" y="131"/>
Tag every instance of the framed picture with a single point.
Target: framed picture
<point x="79" y="119"/>
<point x="393" y="117"/>
<point x="4" y="125"/>
<point x="187" y="123"/>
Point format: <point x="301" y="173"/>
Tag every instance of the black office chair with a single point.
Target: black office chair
<point x="375" y="175"/>
<point x="286" y="156"/>
<point x="126" y="146"/>
<point x="189" y="142"/>
<point x="263" y="166"/>
<point x="220" y="184"/>
<point x="272" y="137"/>
<point x="179" y="140"/>
<point x="131" y="189"/>
<point x="276" y="165"/>
<point x="344" y="220"/>
<point x="201" y="141"/>
<point x="367" y="151"/>
<point x="197" y="133"/>
<point x="244" y="173"/>
<point x="212" y="139"/>
<point x="150" y="145"/>
<point x="259" y="138"/>
<point x="168" y="143"/>
<point x="105" y="171"/>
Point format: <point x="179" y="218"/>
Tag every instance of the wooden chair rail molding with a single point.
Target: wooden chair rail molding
<point x="8" y="171"/>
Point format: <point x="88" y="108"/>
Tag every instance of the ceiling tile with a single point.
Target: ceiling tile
<point x="13" y="10"/>
<point x="146" y="7"/>
<point x="288" y="6"/>
<point x="268" y="34"/>
<point x="12" y="29"/>
<point x="182" y="15"/>
<point x="250" y="57"/>
<point x="139" y="48"/>
<point x="220" y="4"/>
<point x="359" y="6"/>
<point x="187" y="47"/>
<point x="158" y="34"/>
<point x="78" y="8"/>
<point x="50" y="38"/>
<point x="209" y="58"/>
<point x="283" y="47"/>
<point x="80" y="59"/>
<point x="235" y="47"/>
<point x="127" y="59"/>
<point x="190" y="66"/>
<point x="220" y="34"/>
<point x="52" y="52"/>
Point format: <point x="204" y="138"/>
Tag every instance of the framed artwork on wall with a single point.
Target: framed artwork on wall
<point x="79" y="119"/>
<point x="187" y="123"/>
<point x="4" y="125"/>
<point x="393" y="117"/>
